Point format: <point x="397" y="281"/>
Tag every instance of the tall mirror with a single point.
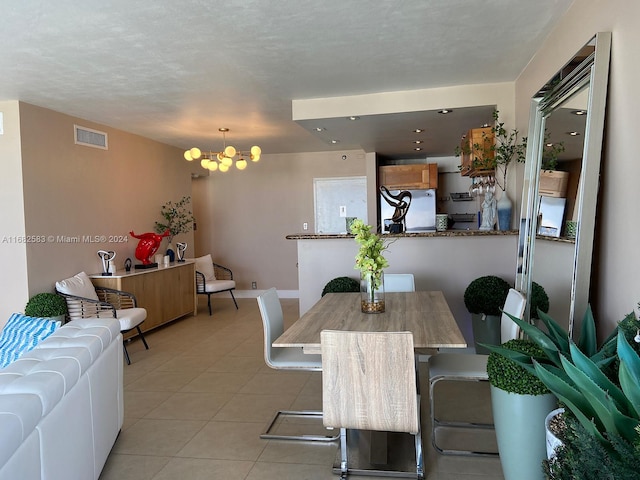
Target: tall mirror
<point x="559" y="207"/>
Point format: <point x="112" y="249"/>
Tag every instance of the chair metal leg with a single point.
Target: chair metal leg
<point x="142" y="337"/>
<point x="126" y="354"/>
<point x="209" y="302"/>
<point x="296" y="413"/>
<point x="437" y="423"/>
<point x="344" y="462"/>
<point x="234" y="299"/>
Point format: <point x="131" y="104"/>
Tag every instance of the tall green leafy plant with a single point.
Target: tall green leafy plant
<point x="176" y="217"/>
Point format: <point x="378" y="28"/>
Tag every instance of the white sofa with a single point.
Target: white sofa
<point x="61" y="404"/>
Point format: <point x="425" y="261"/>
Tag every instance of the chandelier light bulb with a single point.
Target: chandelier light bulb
<point x="255" y="158"/>
<point x="204" y="163"/>
<point x="212" y="166"/>
<point x="187" y="156"/>
<point x="195" y="153"/>
<point x="256" y="151"/>
<point x="220" y="156"/>
<point x="227" y="162"/>
<point x="223" y="167"/>
<point x="241" y="164"/>
<point x="230" y="151"/>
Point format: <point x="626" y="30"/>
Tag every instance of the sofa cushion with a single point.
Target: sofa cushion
<point x="204" y="265"/>
<point x="79" y="285"/>
<point x="21" y="334"/>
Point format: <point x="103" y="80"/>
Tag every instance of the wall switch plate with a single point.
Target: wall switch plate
<point x="305" y="226"/>
<point x="254" y="285"/>
<point x="343" y="210"/>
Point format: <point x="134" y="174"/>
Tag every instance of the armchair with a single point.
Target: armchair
<point x="213" y="278"/>
<point x="84" y="300"/>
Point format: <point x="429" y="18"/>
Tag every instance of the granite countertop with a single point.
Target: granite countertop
<point x="446" y="233"/>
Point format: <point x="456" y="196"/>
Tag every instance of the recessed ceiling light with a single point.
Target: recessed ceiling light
<point x="417" y="149"/>
<point x="335" y="141"/>
<point x="418" y="130"/>
<point x="354" y="118"/>
<point x="573" y="134"/>
<point x="444" y="111"/>
<point x="417" y="141"/>
<point x="579" y="112"/>
<point x="319" y="129"/>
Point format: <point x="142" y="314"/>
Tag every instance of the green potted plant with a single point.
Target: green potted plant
<point x="520" y="402"/>
<point x="539" y="300"/>
<point x="484" y="298"/>
<point x="177" y="218"/>
<point x="341" y="284"/>
<point x="46" y="305"/>
<point x="600" y="389"/>
<point x="371" y="264"/>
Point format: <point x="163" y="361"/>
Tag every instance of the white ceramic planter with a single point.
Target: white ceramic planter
<point x="520" y="431"/>
<point x="553" y="442"/>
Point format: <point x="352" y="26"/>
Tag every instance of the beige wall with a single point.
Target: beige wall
<point x="72" y="190"/>
<point x="616" y="284"/>
<point x="243" y="217"/>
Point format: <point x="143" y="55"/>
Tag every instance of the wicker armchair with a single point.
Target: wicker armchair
<point x="222" y="282"/>
<point x="110" y="303"/>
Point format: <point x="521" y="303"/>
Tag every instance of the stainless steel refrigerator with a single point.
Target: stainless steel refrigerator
<point x="421" y="215"/>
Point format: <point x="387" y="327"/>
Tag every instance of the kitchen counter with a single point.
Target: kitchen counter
<point x="446" y="233"/>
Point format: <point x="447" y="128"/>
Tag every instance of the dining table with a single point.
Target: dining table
<point x="425" y="314"/>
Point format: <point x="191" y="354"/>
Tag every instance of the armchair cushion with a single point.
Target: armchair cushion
<point x="204" y="265"/>
<point x="79" y="286"/>
<point x="130" y="317"/>
<point x="21" y="334"/>
<point x="213" y="286"/>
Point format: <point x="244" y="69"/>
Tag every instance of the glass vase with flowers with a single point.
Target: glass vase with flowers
<point x="371" y="264"/>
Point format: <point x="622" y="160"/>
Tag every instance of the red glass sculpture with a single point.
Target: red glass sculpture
<point x="148" y="245"/>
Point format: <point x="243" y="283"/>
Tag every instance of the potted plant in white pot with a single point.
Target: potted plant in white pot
<point x="484" y="298"/>
<point x="46" y="305"/>
<point x="519" y="402"/>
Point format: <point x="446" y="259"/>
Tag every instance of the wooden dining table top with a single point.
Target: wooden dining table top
<point x="425" y="314"/>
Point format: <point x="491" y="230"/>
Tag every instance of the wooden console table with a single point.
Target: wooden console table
<point x="167" y="293"/>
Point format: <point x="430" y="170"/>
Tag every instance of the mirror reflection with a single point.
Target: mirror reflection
<point x="561" y="181"/>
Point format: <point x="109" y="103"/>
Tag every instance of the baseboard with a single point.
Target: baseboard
<point x="255" y="293"/>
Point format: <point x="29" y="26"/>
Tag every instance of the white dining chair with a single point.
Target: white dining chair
<point x="369" y="382"/>
<point x="286" y="358"/>
<point x="399" y="282"/>
<point x="470" y="368"/>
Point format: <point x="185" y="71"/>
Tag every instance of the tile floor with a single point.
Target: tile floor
<point x="197" y="401"/>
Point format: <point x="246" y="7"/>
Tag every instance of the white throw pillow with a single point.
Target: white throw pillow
<point x="79" y="285"/>
<point x="204" y="265"/>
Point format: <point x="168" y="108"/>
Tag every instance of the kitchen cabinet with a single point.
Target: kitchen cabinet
<point x="477" y="152"/>
<point x="406" y="177"/>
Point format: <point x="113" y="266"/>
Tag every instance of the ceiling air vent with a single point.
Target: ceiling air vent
<point x="90" y="137"/>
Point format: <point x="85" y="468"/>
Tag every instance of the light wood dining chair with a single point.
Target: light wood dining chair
<point x="369" y="382"/>
<point x="399" y="282"/>
<point x="285" y="358"/>
<point x="470" y="368"/>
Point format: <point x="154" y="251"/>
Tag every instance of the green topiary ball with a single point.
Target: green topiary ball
<point x="486" y="295"/>
<point x="539" y="300"/>
<point x="341" y="284"/>
<point x="45" y="305"/>
<point x="507" y="375"/>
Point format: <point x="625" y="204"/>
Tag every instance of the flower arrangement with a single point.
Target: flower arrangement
<point x="177" y="218"/>
<point x="369" y="259"/>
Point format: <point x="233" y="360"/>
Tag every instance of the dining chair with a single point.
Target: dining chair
<point x="399" y="282"/>
<point x="286" y="358"/>
<point x="470" y="368"/>
<point x="84" y="300"/>
<point x="213" y="278"/>
<point x="369" y="382"/>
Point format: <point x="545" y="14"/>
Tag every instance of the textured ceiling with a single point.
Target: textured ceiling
<point x="175" y="71"/>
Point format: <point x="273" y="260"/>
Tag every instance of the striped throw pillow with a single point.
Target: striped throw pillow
<point x="21" y="334"/>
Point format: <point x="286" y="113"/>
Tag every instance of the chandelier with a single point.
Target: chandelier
<point x="223" y="160"/>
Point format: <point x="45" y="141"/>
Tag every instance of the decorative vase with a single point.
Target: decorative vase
<point x="486" y="330"/>
<point x="519" y="424"/>
<point x="171" y="252"/>
<point x="372" y="292"/>
<point x="504" y="212"/>
<point x="553" y="441"/>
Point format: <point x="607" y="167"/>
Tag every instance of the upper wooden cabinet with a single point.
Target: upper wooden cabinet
<point x="406" y="177"/>
<point x="476" y="145"/>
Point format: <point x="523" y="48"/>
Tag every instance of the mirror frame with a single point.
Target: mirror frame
<point x="594" y="72"/>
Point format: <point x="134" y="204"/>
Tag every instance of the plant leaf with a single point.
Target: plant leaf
<point x="558" y="334"/>
<point x="629" y="372"/>
<point x="539" y="337"/>
<point x="587" y="342"/>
